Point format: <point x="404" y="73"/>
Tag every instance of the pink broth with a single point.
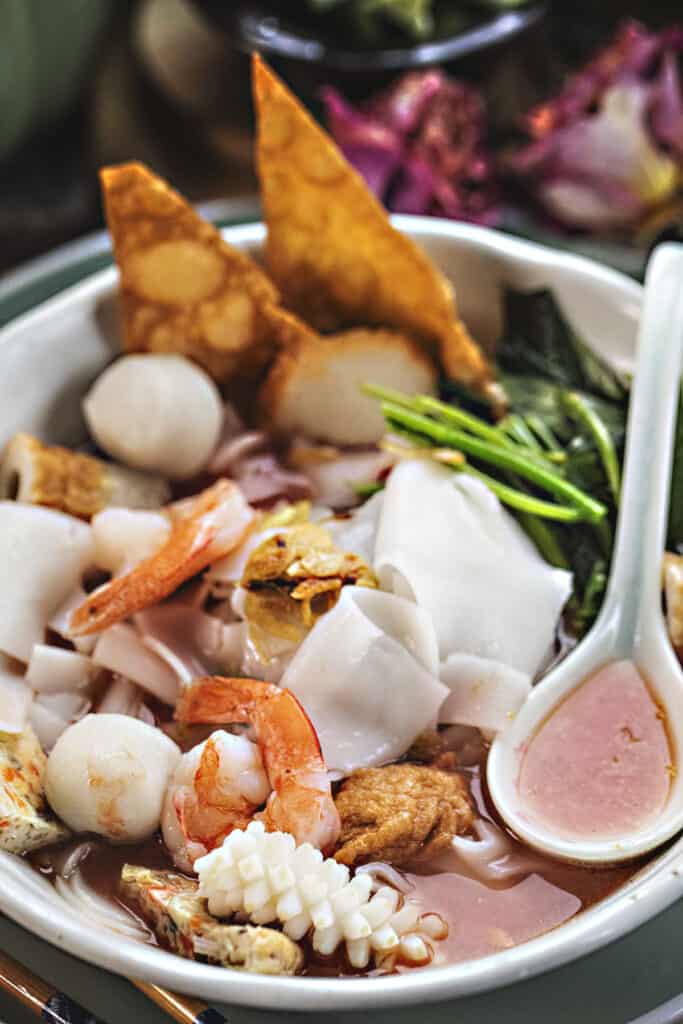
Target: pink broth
<point x="600" y="766"/>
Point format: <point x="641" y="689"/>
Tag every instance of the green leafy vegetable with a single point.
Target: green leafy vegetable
<point x="538" y="341"/>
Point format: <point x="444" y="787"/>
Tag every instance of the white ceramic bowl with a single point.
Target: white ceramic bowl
<point x="47" y="360"/>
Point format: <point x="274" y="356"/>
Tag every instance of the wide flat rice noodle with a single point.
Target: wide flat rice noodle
<point x="43" y="555"/>
<point x="121" y="649"/>
<point x="486" y="694"/>
<point x="357" y="531"/>
<point x="15" y="698"/>
<point x="56" y="670"/>
<point x="446" y="542"/>
<point x="366" y="675"/>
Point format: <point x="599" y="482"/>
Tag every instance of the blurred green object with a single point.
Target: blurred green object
<point x="413" y="16"/>
<point x="46" y="47"/>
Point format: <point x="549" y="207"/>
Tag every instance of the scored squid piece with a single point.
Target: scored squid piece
<point x="72" y="482"/>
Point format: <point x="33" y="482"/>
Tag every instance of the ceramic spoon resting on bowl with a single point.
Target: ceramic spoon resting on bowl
<point x="590" y="768"/>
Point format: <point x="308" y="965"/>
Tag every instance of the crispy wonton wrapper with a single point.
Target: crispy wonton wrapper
<point x="331" y="248"/>
<point x="182" y="288"/>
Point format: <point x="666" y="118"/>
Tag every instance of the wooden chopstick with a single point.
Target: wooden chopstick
<point x="181" y="1008"/>
<point x="48" y="1003"/>
<point x="41" y="999"/>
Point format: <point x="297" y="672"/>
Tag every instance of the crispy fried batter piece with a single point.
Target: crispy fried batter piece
<point x="171" y="905"/>
<point x="294" y="577"/>
<point x="672" y="580"/>
<point x="25" y="821"/>
<point x="182" y="288"/>
<point x="331" y="248"/>
<point x="72" y="482"/>
<point x="400" y="812"/>
<point x="314" y="387"/>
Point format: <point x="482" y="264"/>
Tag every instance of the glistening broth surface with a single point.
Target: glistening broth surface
<point x="529" y="896"/>
<point x="600" y="766"/>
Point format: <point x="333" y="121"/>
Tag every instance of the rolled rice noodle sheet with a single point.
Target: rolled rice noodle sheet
<point x="15" y="698"/>
<point x="445" y="541"/>
<point x="47" y="724"/>
<point x="122" y="697"/>
<point x="55" y="670"/>
<point x="43" y="555"/>
<point x="69" y="706"/>
<point x="59" y="623"/>
<point x="366" y="675"/>
<point x="357" y="532"/>
<point x="121" y="649"/>
<point x="124" y="537"/>
<point x="51" y="714"/>
<point x="192" y="642"/>
<point x="485" y="694"/>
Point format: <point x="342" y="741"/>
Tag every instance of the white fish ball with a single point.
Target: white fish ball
<point x="108" y="774"/>
<point x="156" y="412"/>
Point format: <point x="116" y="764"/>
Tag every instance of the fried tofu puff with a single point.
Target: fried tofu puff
<point x="400" y="812"/>
<point x="72" y="482"/>
<point x="331" y="248"/>
<point x="314" y="386"/>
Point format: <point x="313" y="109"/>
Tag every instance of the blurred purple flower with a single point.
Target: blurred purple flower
<point x="421" y="147"/>
<point x="609" y="148"/>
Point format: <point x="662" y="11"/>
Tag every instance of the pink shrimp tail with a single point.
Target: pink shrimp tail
<point x="301" y="802"/>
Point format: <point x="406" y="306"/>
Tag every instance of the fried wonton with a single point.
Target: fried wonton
<point x="314" y="386"/>
<point x="182" y="288"/>
<point x="331" y="248"/>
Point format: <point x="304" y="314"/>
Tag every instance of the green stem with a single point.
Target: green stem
<point x="504" y="458"/>
<point x="460" y="418"/>
<point x="544" y="539"/>
<point x="543" y="433"/>
<point x="515" y="427"/>
<point x="580" y="410"/>
<point x="522" y="502"/>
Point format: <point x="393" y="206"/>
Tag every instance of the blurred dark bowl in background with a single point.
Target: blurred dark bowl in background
<point x="311" y="50"/>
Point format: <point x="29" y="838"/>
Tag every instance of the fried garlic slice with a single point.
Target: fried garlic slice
<point x="294" y="577"/>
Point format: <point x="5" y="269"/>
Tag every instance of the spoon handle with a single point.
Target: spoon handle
<point x="635" y="579"/>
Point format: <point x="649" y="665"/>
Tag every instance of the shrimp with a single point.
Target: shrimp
<point x="204" y="529"/>
<point x="217" y="786"/>
<point x="301" y="800"/>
